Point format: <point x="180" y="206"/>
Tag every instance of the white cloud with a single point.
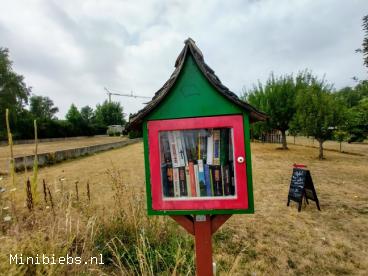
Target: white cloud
<point x="69" y="50"/>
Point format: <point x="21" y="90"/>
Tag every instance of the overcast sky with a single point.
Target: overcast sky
<point x="70" y="50"/>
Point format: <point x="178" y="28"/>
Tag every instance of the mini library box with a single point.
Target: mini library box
<point x="196" y="135"/>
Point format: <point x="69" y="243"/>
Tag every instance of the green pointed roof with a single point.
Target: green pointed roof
<point x="135" y="120"/>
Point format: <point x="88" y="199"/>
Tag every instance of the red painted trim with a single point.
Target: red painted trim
<point x="299" y="166"/>
<point x="232" y="121"/>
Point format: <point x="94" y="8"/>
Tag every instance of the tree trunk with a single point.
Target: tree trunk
<point x="283" y="139"/>
<point x="294" y="139"/>
<point x="340" y="145"/>
<point x="320" y="156"/>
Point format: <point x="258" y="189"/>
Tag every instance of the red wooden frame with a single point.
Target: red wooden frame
<point x="240" y="201"/>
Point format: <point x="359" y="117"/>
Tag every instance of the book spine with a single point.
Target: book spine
<point x="192" y="179"/>
<point x="170" y="181"/>
<point x="227" y="180"/>
<point x="217" y="186"/>
<point x="187" y="180"/>
<point x="165" y="184"/>
<point x="216" y="147"/>
<point x="176" y="182"/>
<point x="183" y="184"/>
<point x="207" y="179"/>
<point x="184" y="150"/>
<point x="211" y="180"/>
<point x="201" y="179"/>
<point x="210" y="149"/>
<point x="231" y="147"/>
<point x="196" y="180"/>
<point x="224" y="146"/>
<point x="179" y="147"/>
<point x="173" y="149"/>
<point x="222" y="181"/>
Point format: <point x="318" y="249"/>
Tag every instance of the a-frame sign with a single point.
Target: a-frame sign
<point x="301" y="186"/>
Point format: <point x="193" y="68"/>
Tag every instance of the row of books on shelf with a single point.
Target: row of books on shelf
<point x="213" y="146"/>
<point x="198" y="180"/>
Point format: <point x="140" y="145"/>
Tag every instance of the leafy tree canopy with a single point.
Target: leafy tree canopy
<point x="109" y="113"/>
<point x="42" y="108"/>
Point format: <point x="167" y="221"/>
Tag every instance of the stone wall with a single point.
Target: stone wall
<point x="50" y="158"/>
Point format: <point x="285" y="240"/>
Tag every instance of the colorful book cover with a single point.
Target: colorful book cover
<point x="207" y="180"/>
<point x="216" y="147"/>
<point x="192" y="179"/>
<point x="187" y="180"/>
<point x="176" y="182"/>
<point x="201" y="179"/>
<point x="170" y="180"/>
<point x="196" y="180"/>
<point x="182" y="182"/>
<point x="209" y="158"/>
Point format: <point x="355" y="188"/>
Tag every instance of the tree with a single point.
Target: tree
<point x="13" y="91"/>
<point x="365" y="40"/>
<point x="74" y="117"/>
<point x="277" y="99"/>
<point x="318" y="112"/>
<point x="42" y="108"/>
<point x="109" y="113"/>
<point x="87" y="114"/>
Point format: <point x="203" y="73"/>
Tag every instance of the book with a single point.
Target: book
<point x="216" y="147"/>
<point x="209" y="159"/>
<point x="217" y="185"/>
<point x="165" y="184"/>
<point x="231" y="146"/>
<point x="224" y="146"/>
<point x="173" y="149"/>
<point x="179" y="147"/>
<point x="187" y="180"/>
<point x="192" y="179"/>
<point x="170" y="180"/>
<point x="207" y="179"/>
<point x="201" y="179"/>
<point x="165" y="148"/>
<point x="202" y="144"/>
<point x="182" y="182"/>
<point x="196" y="180"/>
<point x="176" y="182"/>
<point x="211" y="180"/>
<point x="227" y="180"/>
<point x="222" y="180"/>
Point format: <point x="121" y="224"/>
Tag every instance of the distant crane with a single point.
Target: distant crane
<point x="109" y="93"/>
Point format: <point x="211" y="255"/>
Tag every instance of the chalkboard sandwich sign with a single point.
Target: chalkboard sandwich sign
<point x="301" y="186"/>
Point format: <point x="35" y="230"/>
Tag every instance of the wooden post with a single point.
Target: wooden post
<point x="203" y="245"/>
<point x="202" y="227"/>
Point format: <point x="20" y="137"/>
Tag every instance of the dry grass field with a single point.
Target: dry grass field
<point x="276" y="240"/>
<point x="28" y="149"/>
<point x="358" y="148"/>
